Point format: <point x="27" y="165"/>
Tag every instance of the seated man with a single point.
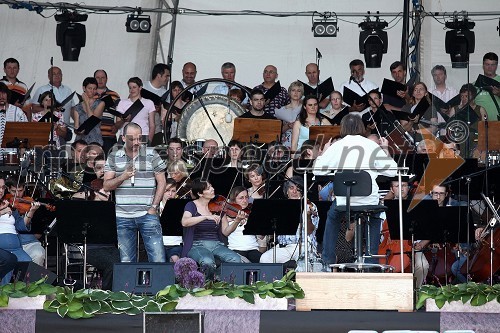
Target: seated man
<point x="210" y="148"/>
<point x="8" y="262"/>
<point x="257" y="103"/>
<point x="288" y="248"/>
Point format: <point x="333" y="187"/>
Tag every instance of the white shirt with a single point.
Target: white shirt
<point x="355" y="151"/>
<point x="7" y="224"/>
<point x="13" y="113"/>
<point x="239" y="242"/>
<point x="367" y="86"/>
<point x="446" y="95"/>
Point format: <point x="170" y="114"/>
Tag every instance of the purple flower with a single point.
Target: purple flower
<point x="183" y="266"/>
<point x="194" y="279"/>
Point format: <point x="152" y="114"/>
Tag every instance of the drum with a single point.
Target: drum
<point x="195" y="123"/>
<point x="11" y="157"/>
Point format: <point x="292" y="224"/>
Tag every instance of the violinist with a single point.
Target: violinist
<point x="288" y="245"/>
<point x="11" y="222"/>
<point x="30" y="242"/>
<point x="172" y="244"/>
<point x="202" y="240"/>
<point x="232" y="227"/>
<point x="177" y="170"/>
<point x="256" y="176"/>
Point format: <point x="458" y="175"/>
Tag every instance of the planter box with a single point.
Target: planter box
<point x="458" y="306"/>
<point x="355" y="291"/>
<point x="189" y="302"/>
<point x="26" y="303"/>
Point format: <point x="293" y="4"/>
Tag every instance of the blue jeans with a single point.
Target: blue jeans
<point x="149" y="227"/>
<point x="12" y="244"/>
<point x="204" y="253"/>
<point x="332" y="229"/>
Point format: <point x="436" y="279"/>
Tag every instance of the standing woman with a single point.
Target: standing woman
<point x="202" y="231"/>
<point x="46" y="99"/>
<point x="420" y="93"/>
<point x="245" y="245"/>
<point x="288" y="113"/>
<point x="89" y="106"/>
<point x="309" y="116"/>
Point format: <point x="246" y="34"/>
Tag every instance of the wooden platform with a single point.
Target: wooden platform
<point x="356" y="291"/>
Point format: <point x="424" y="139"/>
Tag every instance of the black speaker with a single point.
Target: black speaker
<point x="142" y="277"/>
<point x="250" y="273"/>
<point x="28" y="271"/>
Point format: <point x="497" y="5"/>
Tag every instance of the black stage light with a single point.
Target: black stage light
<point x="138" y="23"/>
<point x="373" y="41"/>
<point x="70" y="35"/>
<point x="324" y="28"/>
<point x="460" y="42"/>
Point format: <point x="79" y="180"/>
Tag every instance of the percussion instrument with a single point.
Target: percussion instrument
<point x="195" y="124"/>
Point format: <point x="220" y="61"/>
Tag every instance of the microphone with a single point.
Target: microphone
<point x="228" y="118"/>
<point x="352" y="78"/>
<point x="318" y="54"/>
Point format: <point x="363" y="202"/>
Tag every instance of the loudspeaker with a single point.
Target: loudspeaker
<point x="28" y="271"/>
<point x="250" y="273"/>
<point x="142" y="277"/>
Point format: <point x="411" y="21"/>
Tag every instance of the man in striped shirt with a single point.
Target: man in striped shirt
<point x="136" y="174"/>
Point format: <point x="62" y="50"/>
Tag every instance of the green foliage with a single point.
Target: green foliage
<point x="87" y="303"/>
<point x="477" y="293"/>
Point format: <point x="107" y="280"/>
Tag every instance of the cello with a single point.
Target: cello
<point x="479" y="266"/>
<point x="391" y="250"/>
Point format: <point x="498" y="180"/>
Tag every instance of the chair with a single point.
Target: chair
<point x="357" y="183"/>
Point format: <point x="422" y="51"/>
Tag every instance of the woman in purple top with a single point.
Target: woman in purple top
<point x="202" y="230"/>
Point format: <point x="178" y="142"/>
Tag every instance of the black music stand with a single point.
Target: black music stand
<point x="171" y="217"/>
<point x="419" y="223"/>
<point x="87" y="222"/>
<point x="222" y="179"/>
<point x="274" y="217"/>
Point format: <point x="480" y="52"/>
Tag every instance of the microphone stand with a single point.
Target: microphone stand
<point x="318" y="57"/>
<point x="53" y="100"/>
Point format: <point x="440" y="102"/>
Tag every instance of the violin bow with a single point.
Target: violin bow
<point x="270" y="178"/>
<point x="192" y="171"/>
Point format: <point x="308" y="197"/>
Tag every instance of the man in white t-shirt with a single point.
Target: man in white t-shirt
<point x="357" y="68"/>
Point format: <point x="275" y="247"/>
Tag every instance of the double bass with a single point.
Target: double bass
<point x="479" y="265"/>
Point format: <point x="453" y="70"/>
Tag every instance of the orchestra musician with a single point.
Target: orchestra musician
<point x="202" y="230"/>
<point x="256" y="176"/>
<point x="245" y="245"/>
<point x="172" y="244"/>
<point x="288" y="245"/>
<point x="177" y="170"/>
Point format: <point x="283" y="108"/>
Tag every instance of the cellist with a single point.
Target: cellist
<point x="420" y="261"/>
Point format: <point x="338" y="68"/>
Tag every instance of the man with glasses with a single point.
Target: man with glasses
<point x="270" y="75"/>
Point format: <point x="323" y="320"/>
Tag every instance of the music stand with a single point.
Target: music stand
<point x="81" y="221"/>
<point x="171" y="217"/>
<point x="36" y="133"/>
<point x="222" y="179"/>
<point x="419" y="223"/>
<point x="323" y="133"/>
<point x="258" y="130"/>
<point x="493" y="135"/>
<point x="274" y="217"/>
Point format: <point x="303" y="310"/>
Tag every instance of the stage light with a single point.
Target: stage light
<point x="373" y="41"/>
<point x="326" y="26"/>
<point x="138" y="23"/>
<point x="70" y="35"/>
<point x="460" y="41"/>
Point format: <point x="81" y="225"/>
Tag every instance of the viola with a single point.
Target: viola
<point x="391" y="248"/>
<point x="221" y="204"/>
<point x="23" y="204"/>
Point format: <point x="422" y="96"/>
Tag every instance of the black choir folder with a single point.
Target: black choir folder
<point x="486" y="83"/>
<point x="420" y="109"/>
<point x="133" y="110"/>
<point x="48" y="119"/>
<point x="350" y="96"/>
<point x="324" y="89"/>
<point x="272" y="92"/>
<point x="157" y="100"/>
<point x="439" y="104"/>
<point x="89" y="124"/>
<point x="390" y="87"/>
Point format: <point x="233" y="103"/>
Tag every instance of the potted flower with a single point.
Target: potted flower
<point x="21" y="295"/>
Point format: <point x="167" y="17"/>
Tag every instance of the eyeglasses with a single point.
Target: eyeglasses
<point x="438" y="194"/>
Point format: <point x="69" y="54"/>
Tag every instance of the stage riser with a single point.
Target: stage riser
<point x="356" y="291"/>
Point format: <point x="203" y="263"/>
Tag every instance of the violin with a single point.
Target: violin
<point x="220" y="204"/>
<point x="23" y="204"/>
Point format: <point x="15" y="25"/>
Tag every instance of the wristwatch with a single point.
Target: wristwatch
<point x="154" y="206"/>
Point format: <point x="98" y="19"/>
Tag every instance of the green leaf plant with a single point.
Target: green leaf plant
<point x="87" y="303"/>
<point x="477" y="293"/>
